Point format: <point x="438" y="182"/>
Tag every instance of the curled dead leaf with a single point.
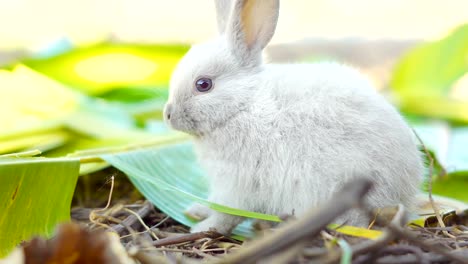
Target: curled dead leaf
<point x="72" y="244"/>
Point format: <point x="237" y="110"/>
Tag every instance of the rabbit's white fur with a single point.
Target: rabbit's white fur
<point x="283" y="138"/>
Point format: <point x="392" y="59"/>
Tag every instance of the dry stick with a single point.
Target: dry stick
<point x="397" y="228"/>
<point x="109" y="198"/>
<point x="397" y="259"/>
<point x="287" y="255"/>
<point x="145" y="257"/>
<point x="115" y="220"/>
<point x="431" y="199"/>
<point x="132" y="219"/>
<point x="135" y="214"/>
<point x="152" y="229"/>
<point x="398" y="231"/>
<point x="308" y="226"/>
<point x="402" y="233"/>
<point x="401" y="249"/>
<point x="160" y="222"/>
<point x="186" y="238"/>
<point x="140" y="219"/>
<point x="93" y="214"/>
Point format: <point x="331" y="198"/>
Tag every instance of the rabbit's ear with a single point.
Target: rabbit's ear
<point x="223" y="10"/>
<point x="251" y="26"/>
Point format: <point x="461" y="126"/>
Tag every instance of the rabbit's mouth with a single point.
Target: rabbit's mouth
<point x="178" y="120"/>
<point x="182" y="123"/>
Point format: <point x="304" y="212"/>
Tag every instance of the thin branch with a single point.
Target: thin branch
<point x="429" y="188"/>
<point x="132" y="219"/>
<point x="109" y="199"/>
<point x="401" y="249"/>
<point x="93" y="216"/>
<point x="403" y="233"/>
<point x="140" y="219"/>
<point x="306" y="227"/>
<point x="186" y="238"/>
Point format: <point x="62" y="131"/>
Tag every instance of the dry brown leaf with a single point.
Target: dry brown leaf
<point x="73" y="244"/>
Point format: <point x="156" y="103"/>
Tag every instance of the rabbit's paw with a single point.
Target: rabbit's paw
<point x="218" y="222"/>
<point x="211" y="224"/>
<point x="198" y="212"/>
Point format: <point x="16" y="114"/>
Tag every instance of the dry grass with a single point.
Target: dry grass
<point x="150" y="236"/>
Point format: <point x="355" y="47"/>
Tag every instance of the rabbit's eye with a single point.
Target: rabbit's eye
<point x="204" y="84"/>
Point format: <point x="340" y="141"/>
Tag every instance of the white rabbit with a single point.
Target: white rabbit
<point x="279" y="139"/>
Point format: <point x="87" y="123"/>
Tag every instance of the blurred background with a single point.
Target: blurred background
<point x="80" y="75"/>
<point x="34" y="23"/>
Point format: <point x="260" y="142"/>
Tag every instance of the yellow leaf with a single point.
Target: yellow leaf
<point x="356" y="231"/>
<point x="28" y="98"/>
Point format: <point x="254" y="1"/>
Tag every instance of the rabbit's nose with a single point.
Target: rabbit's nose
<point x="167" y="112"/>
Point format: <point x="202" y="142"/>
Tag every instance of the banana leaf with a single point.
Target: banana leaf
<point x="424" y="78"/>
<point x="35" y="195"/>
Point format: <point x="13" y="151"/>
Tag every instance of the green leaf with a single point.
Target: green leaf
<point x="97" y="124"/>
<point x="347" y="255"/>
<point x="356" y="231"/>
<point x="135" y="95"/>
<point x="41" y="141"/>
<point x="22" y="154"/>
<point x="171" y="179"/>
<point x="35" y="195"/>
<point x="88" y="168"/>
<point x="454" y="185"/>
<point x="423" y="79"/>
<point x="99" y="69"/>
<point x="432" y="68"/>
<point x="31" y="101"/>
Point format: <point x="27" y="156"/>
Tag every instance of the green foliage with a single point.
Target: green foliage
<point x="453" y="185"/>
<point x="134" y="95"/>
<point x="59" y="121"/>
<point x="35" y="196"/>
<point x="422" y="83"/>
<point x="99" y="69"/>
<point x="431" y="69"/>
<point x="424" y="77"/>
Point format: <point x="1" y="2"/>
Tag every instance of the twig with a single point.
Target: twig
<point x="404" y="249"/>
<point x="429" y="187"/>
<point x="285" y="256"/>
<point x="189" y="251"/>
<point x="307" y="226"/>
<point x="132" y="219"/>
<point x="396" y="227"/>
<point x="402" y="233"/>
<point x="93" y="214"/>
<point x="109" y="198"/>
<point x="402" y="259"/>
<point x="186" y="238"/>
<point x="150" y="257"/>
<point x="160" y="222"/>
<point x="142" y="223"/>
